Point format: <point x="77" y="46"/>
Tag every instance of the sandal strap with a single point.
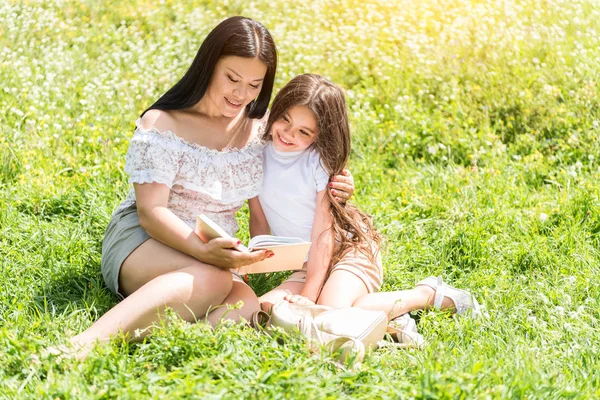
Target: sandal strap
<point x="439" y="293"/>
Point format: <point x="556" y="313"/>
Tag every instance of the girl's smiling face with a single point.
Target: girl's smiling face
<point x="295" y="130"/>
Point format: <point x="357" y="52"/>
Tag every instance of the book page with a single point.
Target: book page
<point x="260" y="241"/>
<point x="286" y="257"/>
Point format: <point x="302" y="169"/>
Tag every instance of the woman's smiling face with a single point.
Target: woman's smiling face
<point x="236" y="81"/>
<point x="295" y="130"/>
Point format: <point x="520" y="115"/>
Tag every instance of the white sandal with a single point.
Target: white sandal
<point x="463" y="300"/>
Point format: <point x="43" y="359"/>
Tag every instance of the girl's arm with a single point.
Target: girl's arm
<point x="162" y="225"/>
<point x="320" y="250"/>
<point x="258" y="221"/>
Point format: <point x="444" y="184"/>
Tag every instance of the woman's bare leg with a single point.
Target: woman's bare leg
<point x="156" y="276"/>
<point x="151" y="260"/>
<point x="239" y="291"/>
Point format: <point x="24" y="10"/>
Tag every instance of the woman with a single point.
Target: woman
<point x="196" y="150"/>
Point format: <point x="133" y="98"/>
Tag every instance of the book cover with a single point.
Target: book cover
<point x="289" y="253"/>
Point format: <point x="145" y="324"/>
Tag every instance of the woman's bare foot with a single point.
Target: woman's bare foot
<point x="71" y="350"/>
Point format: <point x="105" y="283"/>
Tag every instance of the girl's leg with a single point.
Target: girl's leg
<point x="400" y="302"/>
<point x="354" y="276"/>
<point x="342" y="289"/>
<point x="156" y="276"/>
<point x="345" y="289"/>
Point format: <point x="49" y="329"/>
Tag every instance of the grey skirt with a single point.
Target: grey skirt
<point x="123" y="235"/>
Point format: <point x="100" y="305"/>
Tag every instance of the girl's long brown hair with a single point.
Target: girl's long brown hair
<point x="351" y="227"/>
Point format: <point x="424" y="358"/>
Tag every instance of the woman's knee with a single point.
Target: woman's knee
<point x="249" y="299"/>
<point x="200" y="284"/>
<point x="240" y="294"/>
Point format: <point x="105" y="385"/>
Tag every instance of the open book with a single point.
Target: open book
<point x="289" y="253"/>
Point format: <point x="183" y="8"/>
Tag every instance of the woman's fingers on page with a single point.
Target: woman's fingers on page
<point x="224" y="256"/>
<point x="242" y="259"/>
<point x="267" y="254"/>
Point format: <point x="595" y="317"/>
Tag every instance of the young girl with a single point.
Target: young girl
<point x="308" y="140"/>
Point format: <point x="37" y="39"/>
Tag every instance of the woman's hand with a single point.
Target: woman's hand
<point x="298" y="299"/>
<point x="220" y="252"/>
<point x="342" y="186"/>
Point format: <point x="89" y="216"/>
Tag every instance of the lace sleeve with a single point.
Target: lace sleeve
<point x="152" y="158"/>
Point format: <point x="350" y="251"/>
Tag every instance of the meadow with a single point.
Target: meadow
<point x="476" y="149"/>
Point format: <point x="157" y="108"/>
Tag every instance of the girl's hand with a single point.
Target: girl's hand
<point x="342" y="186"/>
<point x="298" y="299"/>
<point x="220" y="252"/>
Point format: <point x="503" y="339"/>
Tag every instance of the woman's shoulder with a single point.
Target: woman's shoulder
<point x="160" y="126"/>
<point x="159" y="120"/>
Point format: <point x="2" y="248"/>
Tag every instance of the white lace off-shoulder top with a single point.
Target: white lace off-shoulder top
<point x="202" y="180"/>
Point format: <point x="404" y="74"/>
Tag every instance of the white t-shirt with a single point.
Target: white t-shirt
<point x="289" y="192"/>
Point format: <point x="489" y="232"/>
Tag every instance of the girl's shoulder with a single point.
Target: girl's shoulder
<point x="314" y="156"/>
<point x="318" y="169"/>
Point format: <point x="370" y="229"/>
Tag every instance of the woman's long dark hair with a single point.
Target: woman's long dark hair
<point x="352" y="228"/>
<point x="236" y="36"/>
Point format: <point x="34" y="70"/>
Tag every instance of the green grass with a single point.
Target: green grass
<point x="476" y="149"/>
